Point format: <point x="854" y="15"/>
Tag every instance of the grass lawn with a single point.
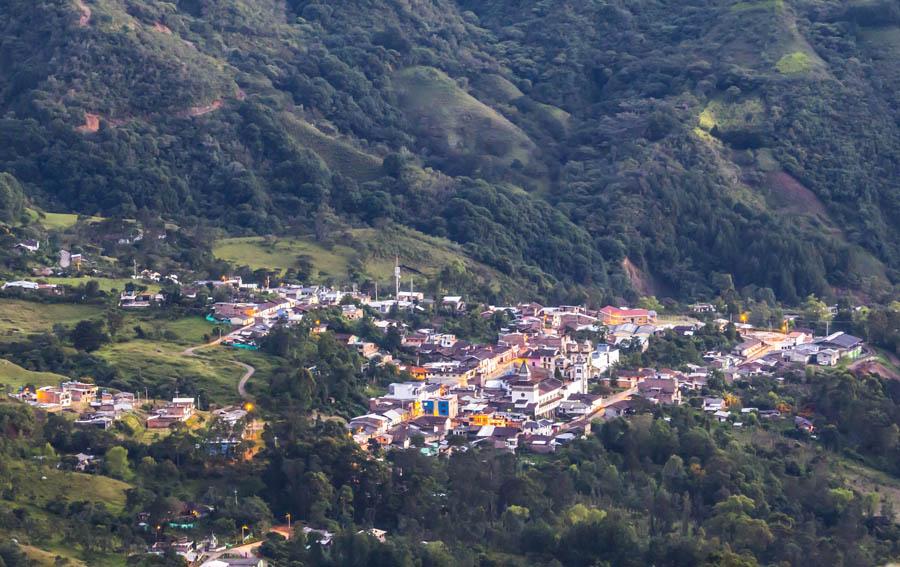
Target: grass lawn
<point x="14" y="376"/>
<point x="160" y="365"/>
<point x="19" y="317"/>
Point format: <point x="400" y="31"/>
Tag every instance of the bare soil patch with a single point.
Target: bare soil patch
<point x="793" y="196"/>
<point x="91" y="123"/>
<point x="85" y="17"/>
<point x="644" y="283"/>
<point x="205" y="109"/>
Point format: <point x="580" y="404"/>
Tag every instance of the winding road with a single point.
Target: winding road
<point x="242" y="383"/>
<point x="248" y="370"/>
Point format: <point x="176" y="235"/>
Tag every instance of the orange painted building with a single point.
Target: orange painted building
<point x="615" y="316"/>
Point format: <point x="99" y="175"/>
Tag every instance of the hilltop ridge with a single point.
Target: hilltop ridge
<point x="551" y="142"/>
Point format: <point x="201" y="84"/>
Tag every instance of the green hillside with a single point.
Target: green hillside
<point x="338" y="155"/>
<point x="41" y="494"/>
<point x="364" y="253"/>
<point x="550" y="141"/>
<point x="450" y="121"/>
<point x="14" y="376"/>
<point x="19" y="317"/>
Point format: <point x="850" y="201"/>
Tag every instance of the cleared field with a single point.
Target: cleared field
<point x="378" y="250"/>
<point x="792" y="63"/>
<point x="60" y="221"/>
<point x="187" y="331"/>
<point x="160" y="366"/>
<point x="499" y="87"/>
<point x="14" y="376"/>
<point x="676" y="320"/>
<point x="19" y="317"/>
<point x="750" y="113"/>
<point x="282" y="253"/>
<point x="44" y="558"/>
<point x="758" y="5"/>
<point x="449" y="118"/>
<point x="264" y="364"/>
<point x="416" y="250"/>
<point x="337" y="154"/>
<point x="190" y="330"/>
<point x="67" y="486"/>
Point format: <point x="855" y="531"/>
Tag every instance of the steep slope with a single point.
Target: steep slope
<point x="664" y="133"/>
<point x="672" y="104"/>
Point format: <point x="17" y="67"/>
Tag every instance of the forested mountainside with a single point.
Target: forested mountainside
<point x="631" y="146"/>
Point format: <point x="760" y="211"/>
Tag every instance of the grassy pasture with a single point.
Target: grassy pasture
<point x="449" y="117"/>
<point x="337" y="154"/>
<point x="281" y="253"/>
<point x="19" y="317"/>
<point x="14" y="376"/>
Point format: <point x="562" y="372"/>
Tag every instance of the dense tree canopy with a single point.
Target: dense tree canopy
<point x="687" y="140"/>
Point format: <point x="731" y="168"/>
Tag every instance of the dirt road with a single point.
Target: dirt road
<point x="242" y="383"/>
<point x="248" y="370"/>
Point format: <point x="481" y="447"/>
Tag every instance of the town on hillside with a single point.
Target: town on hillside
<point x="535" y="383"/>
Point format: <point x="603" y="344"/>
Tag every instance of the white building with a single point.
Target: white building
<point x="21" y="284"/>
<point x="603" y="357"/>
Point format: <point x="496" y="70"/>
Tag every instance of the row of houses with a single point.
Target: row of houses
<point x="96" y="407"/>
